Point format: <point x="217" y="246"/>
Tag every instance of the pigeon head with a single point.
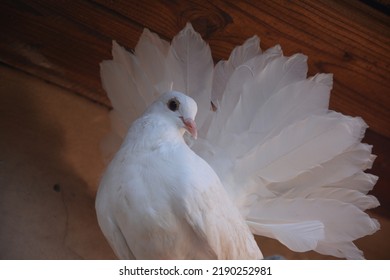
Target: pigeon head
<point x="180" y="109"/>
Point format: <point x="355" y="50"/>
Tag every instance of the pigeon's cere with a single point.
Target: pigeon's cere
<point x="191" y="127"/>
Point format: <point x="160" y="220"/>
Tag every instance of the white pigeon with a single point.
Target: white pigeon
<point x="159" y="200"/>
<point x="271" y="159"/>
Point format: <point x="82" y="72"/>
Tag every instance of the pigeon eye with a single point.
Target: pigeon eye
<point x="173" y="104"/>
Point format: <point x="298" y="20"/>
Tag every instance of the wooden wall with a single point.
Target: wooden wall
<point x="63" y="42"/>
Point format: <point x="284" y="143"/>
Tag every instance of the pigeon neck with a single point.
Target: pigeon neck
<point x="150" y="131"/>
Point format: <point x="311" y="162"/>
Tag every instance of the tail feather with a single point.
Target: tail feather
<point x="190" y="61"/>
<point x="319" y="139"/>
<point x="360" y="181"/>
<point x="343" y="222"/>
<point x="298" y="236"/>
<point x="224" y="69"/>
<point x="346" y="250"/>
<point x="118" y="81"/>
<point x="153" y="75"/>
<point x="342" y="168"/>
<point x="363" y="202"/>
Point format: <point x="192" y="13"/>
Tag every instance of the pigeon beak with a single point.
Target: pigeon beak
<point x="191" y="127"/>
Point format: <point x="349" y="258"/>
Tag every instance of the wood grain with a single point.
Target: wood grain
<point x="63" y="42"/>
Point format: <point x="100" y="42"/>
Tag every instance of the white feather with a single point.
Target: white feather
<point x="190" y="61"/>
<point x="360" y="181"/>
<point x="224" y="69"/>
<point x="346" y="250"/>
<point x="339" y="168"/>
<point x="319" y="139"/>
<point x="151" y="53"/>
<point x="297" y="236"/>
<point x="117" y="81"/>
<point x="244" y="74"/>
<point x="343" y="222"/>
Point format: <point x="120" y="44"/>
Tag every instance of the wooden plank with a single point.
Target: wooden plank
<point x="64" y="41"/>
<point x="39" y="42"/>
<point x="50" y="40"/>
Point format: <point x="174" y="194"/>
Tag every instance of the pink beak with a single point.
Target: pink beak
<point x="191" y="127"/>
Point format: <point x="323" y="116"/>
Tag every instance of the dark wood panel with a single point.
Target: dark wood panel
<point x="64" y="41"/>
<point x="41" y="42"/>
<point x="381" y="168"/>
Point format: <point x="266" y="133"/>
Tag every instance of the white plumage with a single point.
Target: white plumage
<point x="158" y="199"/>
<point x="272" y="154"/>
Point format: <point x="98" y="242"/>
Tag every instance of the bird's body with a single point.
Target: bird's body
<point x="167" y="202"/>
